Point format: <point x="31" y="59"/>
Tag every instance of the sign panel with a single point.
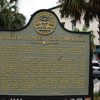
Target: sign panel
<point x="44" y="59"/>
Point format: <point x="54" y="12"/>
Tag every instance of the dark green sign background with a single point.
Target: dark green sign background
<point x="36" y="63"/>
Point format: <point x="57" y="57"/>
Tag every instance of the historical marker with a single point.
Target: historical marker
<point x="44" y="59"/>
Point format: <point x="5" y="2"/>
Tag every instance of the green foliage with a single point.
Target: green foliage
<point x="92" y="40"/>
<point x="96" y="96"/>
<point x="76" y="8"/>
<point x="71" y="8"/>
<point x="84" y="28"/>
<point x="76" y="30"/>
<point x="10" y="18"/>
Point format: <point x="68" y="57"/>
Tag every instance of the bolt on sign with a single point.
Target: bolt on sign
<point x="45" y="59"/>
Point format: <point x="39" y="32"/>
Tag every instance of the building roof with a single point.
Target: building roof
<point x="54" y="7"/>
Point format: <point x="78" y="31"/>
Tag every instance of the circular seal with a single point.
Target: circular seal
<point x="44" y="23"/>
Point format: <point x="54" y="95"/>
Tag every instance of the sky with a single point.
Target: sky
<point x="28" y="7"/>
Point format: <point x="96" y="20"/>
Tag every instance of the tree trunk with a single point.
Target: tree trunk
<point x="99" y="28"/>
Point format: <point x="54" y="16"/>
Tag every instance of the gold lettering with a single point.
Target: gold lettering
<point x="11" y="37"/>
<point x="34" y="37"/>
<point x="76" y="39"/>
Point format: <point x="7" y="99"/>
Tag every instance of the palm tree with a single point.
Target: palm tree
<point x="10" y="18"/>
<point x="71" y="8"/>
<point x="76" y="8"/>
<point x="92" y="10"/>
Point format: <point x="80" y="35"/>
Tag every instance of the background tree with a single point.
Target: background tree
<point x="76" y="8"/>
<point x="10" y="18"/>
<point x="72" y="8"/>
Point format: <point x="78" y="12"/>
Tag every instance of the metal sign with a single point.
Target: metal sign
<point x="45" y="59"/>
